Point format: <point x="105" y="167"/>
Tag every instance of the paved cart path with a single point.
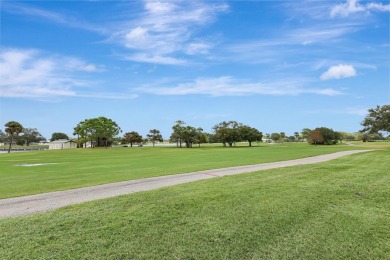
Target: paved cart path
<point x="26" y="205"/>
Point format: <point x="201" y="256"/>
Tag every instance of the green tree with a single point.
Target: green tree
<point x="200" y="136"/>
<point x="275" y="136"/>
<point x="189" y="136"/>
<point x="328" y="136"/>
<point x="58" y="136"/>
<point x="30" y="135"/>
<point x="250" y="134"/>
<point x="178" y="133"/>
<point x="282" y="136"/>
<point x="296" y="136"/>
<point x="100" y="131"/>
<point x="227" y="132"/>
<point x="305" y="133"/>
<point x="378" y="119"/>
<point x="12" y="128"/>
<point x="132" y="137"/>
<point x="154" y="136"/>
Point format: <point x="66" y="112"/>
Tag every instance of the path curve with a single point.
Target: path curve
<point x="27" y="205"/>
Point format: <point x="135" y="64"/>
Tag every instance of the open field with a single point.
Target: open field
<point x="334" y="210"/>
<point x="45" y="171"/>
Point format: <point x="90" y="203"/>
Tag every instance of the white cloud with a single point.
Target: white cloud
<point x="339" y="71"/>
<point x="198" y="48"/>
<point x="378" y="7"/>
<point x="352" y="6"/>
<point x="228" y="86"/>
<point x="167" y="28"/>
<point x="159" y="7"/>
<point x="30" y="73"/>
<point x="156" y="59"/>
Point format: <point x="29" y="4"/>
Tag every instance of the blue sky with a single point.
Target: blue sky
<point x="274" y="65"/>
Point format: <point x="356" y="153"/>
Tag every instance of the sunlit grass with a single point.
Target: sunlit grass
<point x="72" y="168"/>
<point x="334" y="210"/>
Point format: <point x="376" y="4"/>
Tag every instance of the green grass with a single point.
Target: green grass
<point x="334" y="210"/>
<point x="73" y="168"/>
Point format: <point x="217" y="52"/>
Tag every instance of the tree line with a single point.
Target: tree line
<point x="103" y="132"/>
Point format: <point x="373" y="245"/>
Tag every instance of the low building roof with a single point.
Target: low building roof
<point x="61" y="141"/>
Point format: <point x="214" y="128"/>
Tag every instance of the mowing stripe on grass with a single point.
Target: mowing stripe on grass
<point x="27" y="205"/>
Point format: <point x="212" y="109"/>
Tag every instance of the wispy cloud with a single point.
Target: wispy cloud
<point x="34" y="74"/>
<point x="352" y="7"/>
<point x="228" y="86"/>
<point x="55" y="17"/>
<point x="166" y="29"/>
<point x="338" y="72"/>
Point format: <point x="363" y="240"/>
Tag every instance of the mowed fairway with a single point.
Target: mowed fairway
<point x="66" y="169"/>
<point x="334" y="210"/>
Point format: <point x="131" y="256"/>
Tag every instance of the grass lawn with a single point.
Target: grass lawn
<point x="73" y="168"/>
<point x="334" y="210"/>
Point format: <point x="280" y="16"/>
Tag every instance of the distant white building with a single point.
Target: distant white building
<point x="62" y="144"/>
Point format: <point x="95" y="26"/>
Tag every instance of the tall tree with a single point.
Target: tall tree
<point x="305" y="133"/>
<point x="178" y="132"/>
<point x="250" y="134"/>
<point x="12" y="128"/>
<point x="378" y="119"/>
<point x="296" y="136"/>
<point x="275" y="136"/>
<point x="200" y="137"/>
<point x="100" y="131"/>
<point x="282" y="136"/>
<point x="132" y="137"/>
<point x="154" y="136"/>
<point x="30" y="135"/>
<point x="227" y="132"/>
<point x="58" y="136"/>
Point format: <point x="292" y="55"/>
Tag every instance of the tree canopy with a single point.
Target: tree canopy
<point x="154" y="136"/>
<point x="100" y="131"/>
<point x="131" y="138"/>
<point x="378" y="119"/>
<point x="227" y="132"/>
<point x="324" y="135"/>
<point x="187" y="134"/>
<point x="250" y="134"/>
<point x="58" y="136"/>
<point x="30" y="135"/>
<point x="231" y="132"/>
<point x="12" y="128"/>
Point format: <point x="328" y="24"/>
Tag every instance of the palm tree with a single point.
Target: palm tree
<point x="13" y="128"/>
<point x="296" y="135"/>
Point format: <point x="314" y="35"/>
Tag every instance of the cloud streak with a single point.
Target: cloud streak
<point x="228" y="86"/>
<point x="66" y="20"/>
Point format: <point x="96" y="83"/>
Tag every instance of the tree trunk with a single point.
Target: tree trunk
<point x="10" y="143"/>
<point x="250" y="143"/>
